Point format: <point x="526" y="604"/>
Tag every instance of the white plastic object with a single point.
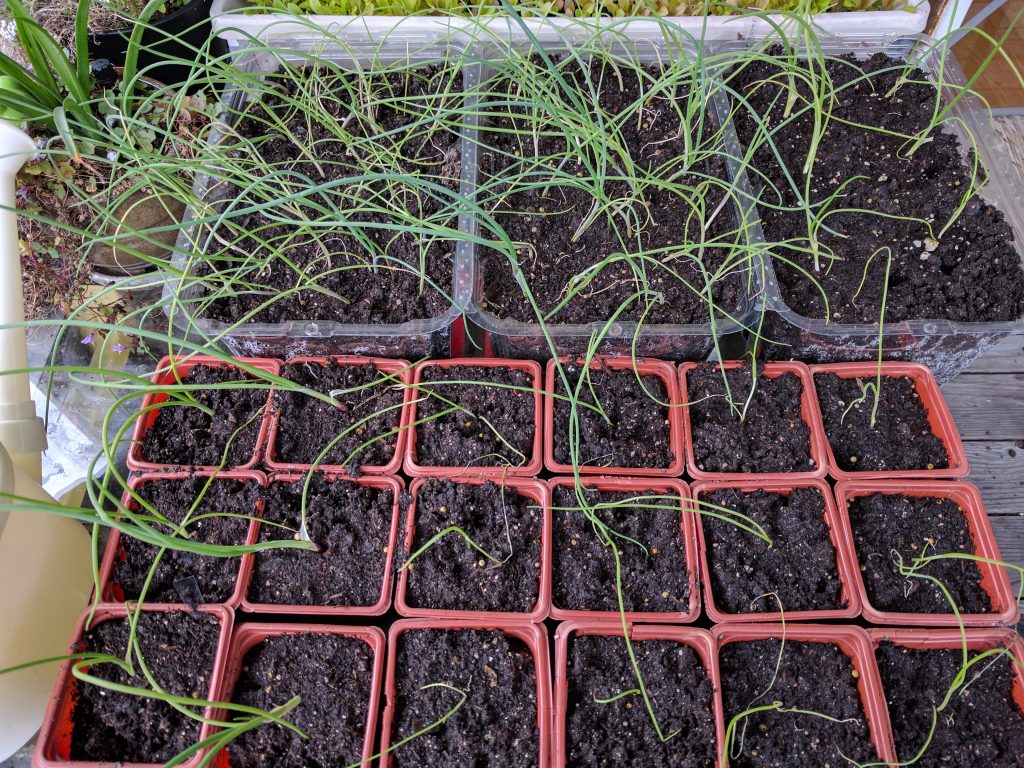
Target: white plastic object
<point x="232" y="24"/>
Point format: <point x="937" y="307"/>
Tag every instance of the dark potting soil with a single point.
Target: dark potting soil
<point x="352" y="526"/>
<point x="332" y="674"/>
<point x="621" y="732"/>
<point x="901" y="438"/>
<point x="545" y="220"/>
<point x="915" y="526"/>
<point x="187" y="435"/>
<point x="817" y="677"/>
<point x="773" y="437"/>
<point x="497" y="723"/>
<point x="452" y="575"/>
<point x="214" y="577"/>
<point x="370" y="408"/>
<point x="179" y="650"/>
<point x="494" y="426"/>
<point x="636" y="432"/>
<point x="359" y="274"/>
<point x="969" y="272"/>
<point x="799" y="566"/>
<point x="655" y="581"/>
<point x="981" y="726"/>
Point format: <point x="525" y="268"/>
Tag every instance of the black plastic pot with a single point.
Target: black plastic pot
<point x="174" y="36"/>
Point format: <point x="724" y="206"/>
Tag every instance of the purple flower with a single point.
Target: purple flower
<point x="89" y="339"/>
<point x="118" y="347"/>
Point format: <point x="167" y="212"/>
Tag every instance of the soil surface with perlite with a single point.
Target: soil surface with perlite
<point x="184" y="434"/>
<point x="876" y="195"/>
<point x="452" y="575"/>
<point x="772" y="436"/>
<point x="352" y="262"/>
<point x="634" y="428"/>
<point x="495" y="726"/>
<point x="796" y="572"/>
<point x="351" y="525"/>
<point x="815" y="677"/>
<point x="884" y="524"/>
<point x="652" y="552"/>
<point x="901" y="438"/>
<point x="187" y="577"/>
<point x="982" y="725"/>
<point x="493" y="424"/>
<point x="332" y="674"/>
<point x="620" y="733"/>
<point x="359" y="428"/>
<point x="179" y="650"/>
<point x="540" y="188"/>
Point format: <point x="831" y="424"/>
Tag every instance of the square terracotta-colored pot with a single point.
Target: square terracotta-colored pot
<point x="400" y="370"/>
<point x="852" y="641"/>
<point x="839" y="536"/>
<point x="168" y="376"/>
<point x="994" y="579"/>
<point x="396" y="485"/>
<point x="699" y="640"/>
<point x="687" y="526"/>
<point x="808" y="410"/>
<point x="535" y="636"/>
<point x="663" y="370"/>
<point x="942" y="639"/>
<point x="535" y="460"/>
<point x="535" y="490"/>
<point x="247" y="636"/>
<point x="53" y="746"/>
<point x="935" y="405"/>
<point x="112" y="592"/>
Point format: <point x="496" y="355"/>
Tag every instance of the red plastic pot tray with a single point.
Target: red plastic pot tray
<point x="247" y="636"/>
<point x="994" y="579"/>
<point x="53" y="747"/>
<point x="168" y="373"/>
<point x="934" y="403"/>
<point x="853" y="641"/>
<point x="699" y="640"/>
<point x="939" y="639"/>
<point x="396" y="486"/>
<point x="808" y="410"/>
<point x="846" y="564"/>
<point x="536" y="458"/>
<point x="533" y="635"/>
<point x="663" y="370"/>
<point x="532" y="489"/>
<point x="111" y="592"/>
<point x="399" y="369"/>
<point x="687" y="524"/>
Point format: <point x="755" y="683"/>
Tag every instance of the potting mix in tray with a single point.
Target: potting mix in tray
<point x="581" y="559"/>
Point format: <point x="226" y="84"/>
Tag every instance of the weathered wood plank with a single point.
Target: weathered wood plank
<point x="997" y="468"/>
<point x="1006" y="357"/>
<point x="1009" y="532"/>
<point x="988" y="406"/>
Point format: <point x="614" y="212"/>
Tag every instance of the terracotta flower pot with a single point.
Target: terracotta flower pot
<point x="396" y="486"/>
<point x="688" y="528"/>
<point x="533" y="635"/>
<point x="247" y="636"/>
<point x="414" y="468"/>
<point x="808" y="410"/>
<point x="839" y="536"/>
<point x="399" y="369"/>
<point x="852" y="641"/>
<point x="112" y="592"/>
<point x="664" y="371"/>
<point x="939" y="417"/>
<point x="994" y="580"/>
<point x="699" y="640"/>
<point x="536" y="491"/>
<point x="166" y="376"/>
<point x="53" y="747"/>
